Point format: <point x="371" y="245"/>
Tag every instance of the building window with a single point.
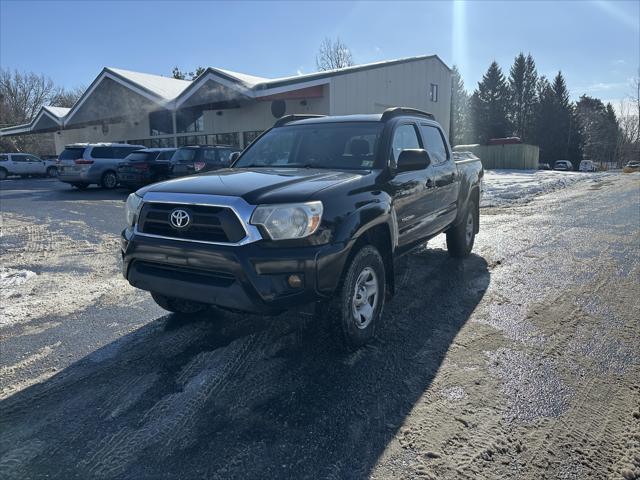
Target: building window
<point x="160" y="123"/>
<point x="433" y="92"/>
<point x="248" y="137"/>
<point x="188" y="121"/>
<point x="232" y="139"/>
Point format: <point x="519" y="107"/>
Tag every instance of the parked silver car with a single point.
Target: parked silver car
<point x="24" y="165"/>
<point x="563" y="166"/>
<point x="83" y="164"/>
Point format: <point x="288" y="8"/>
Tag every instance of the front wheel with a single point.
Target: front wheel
<point x="356" y="309"/>
<point x="178" y="305"/>
<point x="52" y="172"/>
<point x="460" y="238"/>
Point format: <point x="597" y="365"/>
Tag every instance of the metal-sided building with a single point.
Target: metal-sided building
<point x="224" y="107"/>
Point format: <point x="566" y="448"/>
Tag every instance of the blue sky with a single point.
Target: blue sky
<point x="596" y="44"/>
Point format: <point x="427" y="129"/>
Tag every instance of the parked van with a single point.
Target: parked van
<point x="83" y="164"/>
<point x="24" y="165"/>
<point x="588" y="166"/>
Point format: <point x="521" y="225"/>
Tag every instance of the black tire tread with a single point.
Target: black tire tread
<point x="456" y="240"/>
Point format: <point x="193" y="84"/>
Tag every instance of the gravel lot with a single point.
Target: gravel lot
<point x="520" y="361"/>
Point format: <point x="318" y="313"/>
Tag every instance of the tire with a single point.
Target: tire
<point x="80" y="186"/>
<point x="3" y="174"/>
<point x="460" y="238"/>
<point x="355" y="311"/>
<point x="52" y="172"/>
<point x="109" y="180"/>
<point x="178" y="305"/>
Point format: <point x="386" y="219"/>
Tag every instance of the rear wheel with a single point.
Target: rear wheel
<point x="52" y="172"/>
<point x="3" y="174"/>
<point x="356" y="309"/>
<point x="460" y="238"/>
<point x="109" y="180"/>
<point x="178" y="305"/>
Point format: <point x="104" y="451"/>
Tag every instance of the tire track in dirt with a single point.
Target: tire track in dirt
<point x="171" y="420"/>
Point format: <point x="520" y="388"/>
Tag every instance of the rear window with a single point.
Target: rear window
<point x="71" y="154"/>
<point x="112" y="152"/>
<point x="184" y="155"/>
<point x="141" y="156"/>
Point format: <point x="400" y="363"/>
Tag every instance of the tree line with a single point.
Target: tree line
<point x="540" y="112"/>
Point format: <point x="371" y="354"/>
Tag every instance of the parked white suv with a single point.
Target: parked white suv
<point x="82" y="164"/>
<point x="588" y="166"/>
<point x="24" y="165"/>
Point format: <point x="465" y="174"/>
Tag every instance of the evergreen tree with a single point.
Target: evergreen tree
<point x="556" y="131"/>
<point x="459" y="118"/>
<point x="523" y="78"/>
<point x="489" y="106"/>
<point x="600" y="128"/>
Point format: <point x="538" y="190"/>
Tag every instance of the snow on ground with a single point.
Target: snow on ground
<point x="504" y="187"/>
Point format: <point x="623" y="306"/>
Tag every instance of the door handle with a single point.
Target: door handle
<point x="429" y="183"/>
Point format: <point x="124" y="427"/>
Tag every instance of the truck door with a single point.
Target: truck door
<point x="409" y="189"/>
<point x="36" y="165"/>
<point x="445" y="182"/>
<point x="20" y="164"/>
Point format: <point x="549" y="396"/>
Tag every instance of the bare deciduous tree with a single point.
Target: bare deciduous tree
<point x="628" y="145"/>
<point x="63" y="97"/>
<point x="333" y="55"/>
<point x="21" y="97"/>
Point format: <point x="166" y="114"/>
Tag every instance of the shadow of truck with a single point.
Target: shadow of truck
<point x="239" y="396"/>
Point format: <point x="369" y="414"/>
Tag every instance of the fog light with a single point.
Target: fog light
<point x="295" y="281"/>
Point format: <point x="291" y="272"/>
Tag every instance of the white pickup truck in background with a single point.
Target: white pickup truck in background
<point x="25" y="165"/>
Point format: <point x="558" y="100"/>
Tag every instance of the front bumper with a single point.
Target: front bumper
<point x="250" y="277"/>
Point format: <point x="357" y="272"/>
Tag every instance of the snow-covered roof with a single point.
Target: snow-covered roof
<point x="343" y="71"/>
<point x="166" y="88"/>
<point x="57" y="111"/>
<point x="250" y="80"/>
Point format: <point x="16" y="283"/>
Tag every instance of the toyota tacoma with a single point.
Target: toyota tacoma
<point x="313" y="212"/>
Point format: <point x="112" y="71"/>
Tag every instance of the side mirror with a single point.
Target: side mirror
<point x="413" y="159"/>
<point x="233" y="157"/>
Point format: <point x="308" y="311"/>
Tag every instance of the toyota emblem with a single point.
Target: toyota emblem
<point x="179" y="218"/>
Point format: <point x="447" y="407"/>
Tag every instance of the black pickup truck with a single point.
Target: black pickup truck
<point x="313" y="212"/>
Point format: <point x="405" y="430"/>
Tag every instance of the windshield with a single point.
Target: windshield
<point x="184" y="155"/>
<point x="322" y="145"/>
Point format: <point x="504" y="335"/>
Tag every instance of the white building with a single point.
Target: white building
<point x="227" y="107"/>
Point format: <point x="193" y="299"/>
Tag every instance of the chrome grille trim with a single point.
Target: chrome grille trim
<point x="237" y="205"/>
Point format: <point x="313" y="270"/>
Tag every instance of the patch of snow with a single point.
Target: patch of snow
<point x="12" y="278"/>
<point x="503" y="187"/>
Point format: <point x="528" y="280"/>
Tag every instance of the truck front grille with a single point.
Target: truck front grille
<point x="208" y="223"/>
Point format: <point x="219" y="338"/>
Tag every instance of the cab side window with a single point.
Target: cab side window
<point x="404" y="138"/>
<point x="19" y="157"/>
<point x="434" y="144"/>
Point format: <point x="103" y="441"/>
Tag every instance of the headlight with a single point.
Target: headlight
<point x="293" y="220"/>
<point x="132" y="208"/>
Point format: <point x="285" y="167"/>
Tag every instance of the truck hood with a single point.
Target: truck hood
<point x="258" y="185"/>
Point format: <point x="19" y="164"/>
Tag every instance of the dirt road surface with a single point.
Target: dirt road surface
<point x="519" y="362"/>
